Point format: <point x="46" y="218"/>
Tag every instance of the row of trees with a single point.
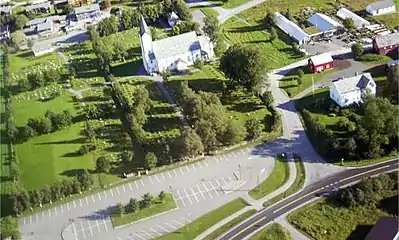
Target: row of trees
<point x="135" y="205"/>
<point x="24" y="200"/>
<point x="369" y="191"/>
<point x="38" y="78"/>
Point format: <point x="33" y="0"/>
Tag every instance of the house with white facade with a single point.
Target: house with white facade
<point x="351" y="90"/>
<point x="173" y="53"/>
<point x="291" y="29"/>
<point x="381" y="7"/>
<point x="360" y="22"/>
<point x="173" y="19"/>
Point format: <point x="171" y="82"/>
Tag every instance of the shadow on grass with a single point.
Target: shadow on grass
<point x="74" y="141"/>
<point x="360" y="232"/>
<point x="6" y="205"/>
<point x="377" y="71"/>
<point x="73" y="172"/>
<point x="126" y="69"/>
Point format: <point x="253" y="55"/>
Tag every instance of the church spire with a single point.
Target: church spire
<point x="143" y="26"/>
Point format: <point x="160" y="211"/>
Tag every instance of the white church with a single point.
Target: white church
<point x="173" y="53"/>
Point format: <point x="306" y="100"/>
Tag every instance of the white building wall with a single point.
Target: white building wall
<point x="146" y="48"/>
<point x="170" y="63"/>
<point x="381" y="11"/>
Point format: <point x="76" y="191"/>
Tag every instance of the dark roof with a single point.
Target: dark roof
<point x="387" y="40"/>
<point x="143" y="26"/>
<point x="386" y="228"/>
<point x="363" y="81"/>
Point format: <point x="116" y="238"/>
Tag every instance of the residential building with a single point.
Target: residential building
<point x="291" y="29"/>
<point x="77" y="3"/>
<point x="4" y="33"/>
<point x="381" y="7"/>
<point x="173" y="19"/>
<point x="385" y="44"/>
<point x="88" y="13"/>
<point x="386" y="228"/>
<point x="352" y="90"/>
<point x="360" y="22"/>
<point x="320" y="62"/>
<point x="173" y="53"/>
<point x="43" y="7"/>
<point x="39" y="49"/>
<point x="324" y="23"/>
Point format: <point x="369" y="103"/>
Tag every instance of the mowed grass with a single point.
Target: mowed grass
<point x="272" y="232"/>
<point x="48" y="158"/>
<point x="225" y="227"/>
<point x="22" y="60"/>
<point x="209" y="12"/>
<point x="229" y="4"/>
<point x="156" y="208"/>
<point x="198" y="226"/>
<point x="276" y="179"/>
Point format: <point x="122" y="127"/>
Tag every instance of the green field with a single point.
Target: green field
<point x="24" y="60"/>
<point x="225" y="227"/>
<point x="272" y="232"/>
<point x="156" y="208"/>
<point x="206" y="221"/>
<point x="276" y="179"/>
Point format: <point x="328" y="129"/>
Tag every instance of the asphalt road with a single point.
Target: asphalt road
<point x="310" y="192"/>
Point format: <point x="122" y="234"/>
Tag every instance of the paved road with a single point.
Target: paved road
<point x="336" y="181"/>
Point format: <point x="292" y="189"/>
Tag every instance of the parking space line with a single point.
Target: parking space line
<point x="242" y="151"/>
<point x="92" y="198"/>
<point x="178" y="223"/>
<point x="162" y="228"/>
<point x="206" y="164"/>
<point x="226" y="158"/>
<point x="218" y="183"/>
<point x="99" y="196"/>
<point x="62" y="209"/>
<point x="224" y="181"/>
<point x="127" y="237"/>
<point x="74" y="204"/>
<point x="124" y="189"/>
<point x="104" y="222"/>
<point x="142" y="182"/>
<point x="105" y="194"/>
<point x="138" y="236"/>
<point x="117" y="190"/>
<point x="87" y="201"/>
<point x="83" y="230"/>
<point x="98" y="225"/>
<point x="170" y="176"/>
<point x="130" y="187"/>
<point x="200" y="191"/>
<point x="217" y="159"/>
<point x="192" y="165"/>
<point x="146" y="233"/>
<point x="194" y="194"/>
<point x="163" y="176"/>
<point x="37" y="217"/>
<point x="187" y="196"/>
<point x="171" y="226"/>
<point x="74" y="231"/>
<point x="155" y="231"/>
<point x="188" y="170"/>
<point x="112" y="193"/>
<point x="199" y="164"/>
<point x="80" y="200"/>
<point x="135" y="183"/>
<point x="156" y="177"/>
<point x="68" y="206"/>
<point x="91" y="230"/>
<point x="181" y="171"/>
<point x="206" y="189"/>
<point x="42" y="214"/>
<point x="30" y="218"/>
<point x="24" y="221"/>
<point x="214" y="189"/>
<point x="181" y="199"/>
<point x="174" y="171"/>
<point x="150" y="179"/>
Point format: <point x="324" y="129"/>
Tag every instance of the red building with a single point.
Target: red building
<point x="320" y="62"/>
<point x="385" y="44"/>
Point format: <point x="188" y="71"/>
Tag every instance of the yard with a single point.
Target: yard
<point x="272" y="232"/>
<point x="24" y="60"/>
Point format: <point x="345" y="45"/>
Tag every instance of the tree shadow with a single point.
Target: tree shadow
<point x="73" y="172"/>
<point x="159" y="124"/>
<point x="377" y="71"/>
<point x="77" y="140"/>
<point x="155" y="110"/>
<point x="389" y="205"/>
<point x="72" y="154"/>
<point x="360" y="232"/>
<point x="94" y="99"/>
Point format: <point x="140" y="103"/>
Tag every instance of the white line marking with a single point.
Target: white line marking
<point x="99" y="196"/>
<point x="92" y="198"/>
<point x="180" y="198"/>
<point x="74" y="231"/>
<point x="194" y="194"/>
<point x="170" y="176"/>
<point x="249" y="158"/>
<point x="210" y="195"/>
<point x="214" y="189"/>
<point x="162" y="228"/>
<point x="142" y="182"/>
<point x="104" y="222"/>
<point x="178" y="223"/>
<point x="188" y="170"/>
<point x="91" y="230"/>
<point x="150" y="179"/>
<point x="171" y="226"/>
<point x="68" y="206"/>
<point x="146" y="233"/>
<point x="105" y="194"/>
<point x="181" y="171"/>
<point x="130" y="187"/>
<point x="62" y="209"/>
<point x="49" y="215"/>
<point x="80" y="200"/>
<point x="83" y="230"/>
<point x="87" y="201"/>
<point x="24" y="221"/>
<point x="112" y="193"/>
<point x="206" y="164"/>
<point x="218" y="184"/>
<point x="175" y="172"/>
<point x="155" y="231"/>
<point x="117" y="190"/>
<point x="43" y="215"/>
<point x="192" y="165"/>
<point x="187" y="196"/>
<point x="135" y="183"/>
<point x="242" y="151"/>
<point x="74" y="204"/>
<point x="55" y="211"/>
<point x="217" y="160"/>
<point x="98" y="226"/>
<point x="138" y="236"/>
<point x="156" y="177"/>
<point x="224" y="181"/>
<point x="124" y="189"/>
<point x="30" y="218"/>
<point x="37" y="217"/>
<point x="199" y="164"/>
<point x="201" y="193"/>
<point x="226" y="158"/>
<point x="163" y="176"/>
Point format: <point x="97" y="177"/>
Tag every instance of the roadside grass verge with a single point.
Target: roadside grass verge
<point x="276" y="179"/>
<point x="156" y="208"/>
<point x="296" y="186"/>
<point x="218" y="232"/>
<point x="198" y="226"/>
<point x="209" y="12"/>
<point x="272" y="232"/>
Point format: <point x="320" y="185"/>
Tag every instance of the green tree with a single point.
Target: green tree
<point x="234" y="133"/>
<point x="211" y="28"/>
<point x="220" y="47"/>
<point x="269" y="20"/>
<point x="134" y="205"/>
<point x="14" y="171"/>
<point x="288" y="15"/>
<point x="36" y="197"/>
<point x="253" y="127"/>
<point x="120" y="209"/>
<point x="103" y="164"/>
<point x="244" y="65"/>
<point x="351" y="147"/>
<point x="17" y="206"/>
<point x="346" y="196"/>
<point x="44" y="126"/>
<point x="349" y="23"/>
<point x="161" y="196"/>
<point x="189" y="144"/>
<point x="150" y="160"/>
<point x="12" y="130"/>
<point x="273" y="34"/>
<point x="393" y="83"/>
<point x="46" y="194"/>
<point x="20" y="21"/>
<point x="85" y="179"/>
<point x="120" y="50"/>
<point x="27" y="132"/>
<point x="188" y="26"/>
<point x="51" y="76"/>
<point x="299" y="73"/>
<point x="208" y="134"/>
<point x="36" y="79"/>
<point x="147" y="200"/>
<point x="55" y="191"/>
<point x="127" y="156"/>
<point x="17" y="38"/>
<point x="175" y="30"/>
<point x="108" y="26"/>
<point x="182" y="10"/>
<point x="68" y="9"/>
<point x="151" y="12"/>
<point x="357" y="51"/>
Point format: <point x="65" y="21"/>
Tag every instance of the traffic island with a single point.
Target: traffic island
<point x="136" y="211"/>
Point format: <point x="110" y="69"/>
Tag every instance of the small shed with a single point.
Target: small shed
<point x="173" y="19"/>
<point x="360" y="22"/>
<point x="381" y="7"/>
<point x="320" y="62"/>
<point x="324" y="23"/>
<point x="291" y="29"/>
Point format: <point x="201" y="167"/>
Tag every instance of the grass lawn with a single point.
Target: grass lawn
<point x="276" y="179"/>
<point x="272" y="232"/>
<point x="290" y="83"/>
<point x="198" y="226"/>
<point x="218" y="232"/>
<point x="48" y="158"/>
<point x="23" y="60"/>
<point x="296" y="186"/>
<point x="157" y="208"/>
<point x="209" y="12"/>
<point x="229" y="3"/>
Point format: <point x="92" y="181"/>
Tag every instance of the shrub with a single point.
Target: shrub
<point x="198" y="64"/>
<point x="372" y="57"/>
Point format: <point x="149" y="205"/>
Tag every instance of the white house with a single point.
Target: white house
<point x="173" y="53"/>
<point x="324" y="23"/>
<point x="173" y="19"/>
<point x="352" y="90"/>
<point x="360" y="22"/>
<point x="381" y="7"/>
<point x="291" y="29"/>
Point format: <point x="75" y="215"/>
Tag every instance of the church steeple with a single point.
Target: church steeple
<point x="143" y="26"/>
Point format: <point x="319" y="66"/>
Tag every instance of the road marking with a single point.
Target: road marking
<point x="249" y="158"/>
<point x="187" y="196"/>
<point x="192" y="165"/>
<point x="234" y="155"/>
<point x="218" y="184"/>
<point x="181" y="199"/>
<point x="217" y="159"/>
<point x="74" y="204"/>
<point x="181" y="171"/>
<point x="230" y="178"/>
<point x="225" y="183"/>
<point x="91" y="230"/>
<point x="43" y="215"/>
<point x="55" y="211"/>
<point x="80" y="200"/>
<point x="98" y="225"/>
<point x="138" y="236"/>
<point x="156" y="177"/>
<point x="30" y="218"/>
<point x="68" y="206"/>
<point x="24" y="221"/>
<point x="74" y="231"/>
<point x="201" y="192"/>
<point x="150" y="179"/>
<point x="226" y="158"/>
<point x="142" y="182"/>
<point x="210" y="195"/>
<point x="87" y="201"/>
<point x="199" y="164"/>
<point x="359" y="174"/>
<point x="124" y="189"/>
<point x="99" y="196"/>
<point x="194" y="194"/>
<point x="335" y="182"/>
<point x="206" y="164"/>
<point x="146" y="233"/>
<point x="188" y="170"/>
<point x="130" y="187"/>
<point x="155" y="231"/>
<point x="163" y="176"/>
<point x="37" y="217"/>
<point x="117" y="190"/>
<point x="104" y="222"/>
<point x="175" y="172"/>
<point x="112" y="193"/>
<point x="92" y="198"/>
<point x="49" y="215"/>
<point x="62" y="209"/>
<point x="171" y="226"/>
<point x="178" y="223"/>
<point x="162" y="228"/>
<point x="214" y="189"/>
<point x="170" y="176"/>
<point x="105" y="194"/>
<point x="83" y="230"/>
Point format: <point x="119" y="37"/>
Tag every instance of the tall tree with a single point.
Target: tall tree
<point x="108" y="26"/>
<point x="182" y="10"/>
<point x="235" y="133"/>
<point x="244" y="65"/>
<point x="20" y="21"/>
<point x="120" y="209"/>
<point x="269" y="20"/>
<point x="349" y="23"/>
<point x="14" y="171"/>
<point x="211" y="28"/>
<point x="17" y="38"/>
<point x="85" y="179"/>
<point x="357" y="51"/>
<point x="393" y="83"/>
<point x="254" y="128"/>
<point x="273" y="34"/>
<point x="134" y="205"/>
<point x="103" y="164"/>
<point x="189" y="144"/>
<point x="150" y="160"/>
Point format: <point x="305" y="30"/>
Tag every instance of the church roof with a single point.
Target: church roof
<point x="176" y="45"/>
<point x="143" y="26"/>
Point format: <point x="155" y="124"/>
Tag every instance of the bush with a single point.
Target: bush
<point x="198" y="64"/>
<point x="372" y="57"/>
